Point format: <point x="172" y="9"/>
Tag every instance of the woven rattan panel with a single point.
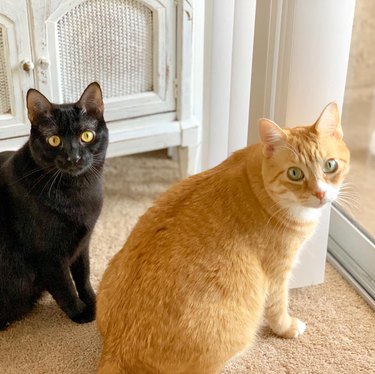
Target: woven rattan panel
<point x="4" y="87"/>
<point x="109" y="41"/>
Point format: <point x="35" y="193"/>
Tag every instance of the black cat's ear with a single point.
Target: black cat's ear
<point x="91" y="101"/>
<point x="271" y="135"/>
<point x="38" y="105"/>
<point x="329" y="122"/>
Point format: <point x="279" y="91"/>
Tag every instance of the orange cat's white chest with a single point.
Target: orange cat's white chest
<point x="303" y="214"/>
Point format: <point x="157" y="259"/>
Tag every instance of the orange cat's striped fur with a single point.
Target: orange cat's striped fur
<point x="214" y="253"/>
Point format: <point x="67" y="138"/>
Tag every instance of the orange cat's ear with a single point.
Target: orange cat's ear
<point x="271" y="136"/>
<point x="329" y="122"/>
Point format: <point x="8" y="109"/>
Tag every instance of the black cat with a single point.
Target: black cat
<point x="50" y="199"/>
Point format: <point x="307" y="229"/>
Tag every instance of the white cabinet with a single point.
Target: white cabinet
<point x="138" y="50"/>
<point x="15" y="68"/>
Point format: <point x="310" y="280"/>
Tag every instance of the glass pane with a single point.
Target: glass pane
<point x="108" y="41"/>
<point x="358" y="119"/>
<point x="4" y="87"/>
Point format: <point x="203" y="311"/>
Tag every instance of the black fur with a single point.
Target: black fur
<point x="50" y="199"/>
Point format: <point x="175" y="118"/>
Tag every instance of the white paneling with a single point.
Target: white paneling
<point x="314" y="78"/>
<point x="14" y="21"/>
<point x="219" y="18"/>
<point x="155" y="119"/>
<point x="319" y="58"/>
<point x="47" y="14"/>
<point x="229" y="32"/>
<point x="242" y="56"/>
<point x="304" y="47"/>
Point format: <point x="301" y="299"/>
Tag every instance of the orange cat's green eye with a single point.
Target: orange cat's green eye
<point x="54" y="141"/>
<point x="295" y="174"/>
<point x="87" y="136"/>
<point x="330" y="166"/>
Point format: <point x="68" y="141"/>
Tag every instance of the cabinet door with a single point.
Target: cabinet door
<point x="16" y="68"/>
<point x="128" y="46"/>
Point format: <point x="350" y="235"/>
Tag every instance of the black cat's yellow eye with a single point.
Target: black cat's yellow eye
<point x="295" y="174"/>
<point x="54" y="141"/>
<point x="87" y="136"/>
<point x="330" y="166"/>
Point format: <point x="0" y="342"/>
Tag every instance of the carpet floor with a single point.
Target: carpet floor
<point x="340" y="335"/>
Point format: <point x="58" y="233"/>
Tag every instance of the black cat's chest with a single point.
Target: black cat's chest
<point x="52" y="218"/>
<point x="78" y="203"/>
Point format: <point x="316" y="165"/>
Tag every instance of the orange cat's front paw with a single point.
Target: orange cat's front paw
<point x="296" y="329"/>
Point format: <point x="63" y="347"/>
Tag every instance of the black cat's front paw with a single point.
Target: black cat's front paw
<point x="84" y="316"/>
<point x="89" y="298"/>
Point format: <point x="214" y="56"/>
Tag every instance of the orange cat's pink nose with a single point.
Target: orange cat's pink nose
<point x="320" y="195"/>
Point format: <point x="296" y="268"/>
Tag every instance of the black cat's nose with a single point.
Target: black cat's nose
<point x="74" y="159"/>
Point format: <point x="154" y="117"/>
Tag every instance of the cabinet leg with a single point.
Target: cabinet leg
<point x="188" y="160"/>
<point x="173" y="153"/>
<point x="372" y="144"/>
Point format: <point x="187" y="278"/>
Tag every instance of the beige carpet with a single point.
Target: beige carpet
<point x="340" y="336"/>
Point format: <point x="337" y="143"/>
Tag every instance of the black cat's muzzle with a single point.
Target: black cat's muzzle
<point x="73" y="167"/>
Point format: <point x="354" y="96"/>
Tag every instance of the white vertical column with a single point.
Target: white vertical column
<point x="316" y="75"/>
<point x="311" y="46"/>
<point x="242" y="58"/>
<point x="218" y="65"/>
<point x="318" y="60"/>
<point x="229" y="36"/>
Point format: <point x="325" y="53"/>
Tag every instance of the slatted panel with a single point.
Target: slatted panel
<point x="4" y="86"/>
<point x="107" y="41"/>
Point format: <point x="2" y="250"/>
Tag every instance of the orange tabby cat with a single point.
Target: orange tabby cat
<point x="214" y="254"/>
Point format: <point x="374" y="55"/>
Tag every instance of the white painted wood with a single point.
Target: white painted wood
<point x="14" y="21"/>
<point x="128" y="136"/>
<point x="137" y="123"/>
<point x="161" y="99"/>
<point x="228" y="62"/>
<point x="198" y="74"/>
<point x="12" y="144"/>
<point x="306" y="68"/>
<point x="265" y="63"/>
<point x="314" y="77"/>
<point x="184" y="77"/>
<point x="189" y="150"/>
<point x="242" y="56"/>
<point x="219" y="17"/>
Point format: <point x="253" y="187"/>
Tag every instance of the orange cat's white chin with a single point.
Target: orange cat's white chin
<point x="308" y="210"/>
<point x="304" y="214"/>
